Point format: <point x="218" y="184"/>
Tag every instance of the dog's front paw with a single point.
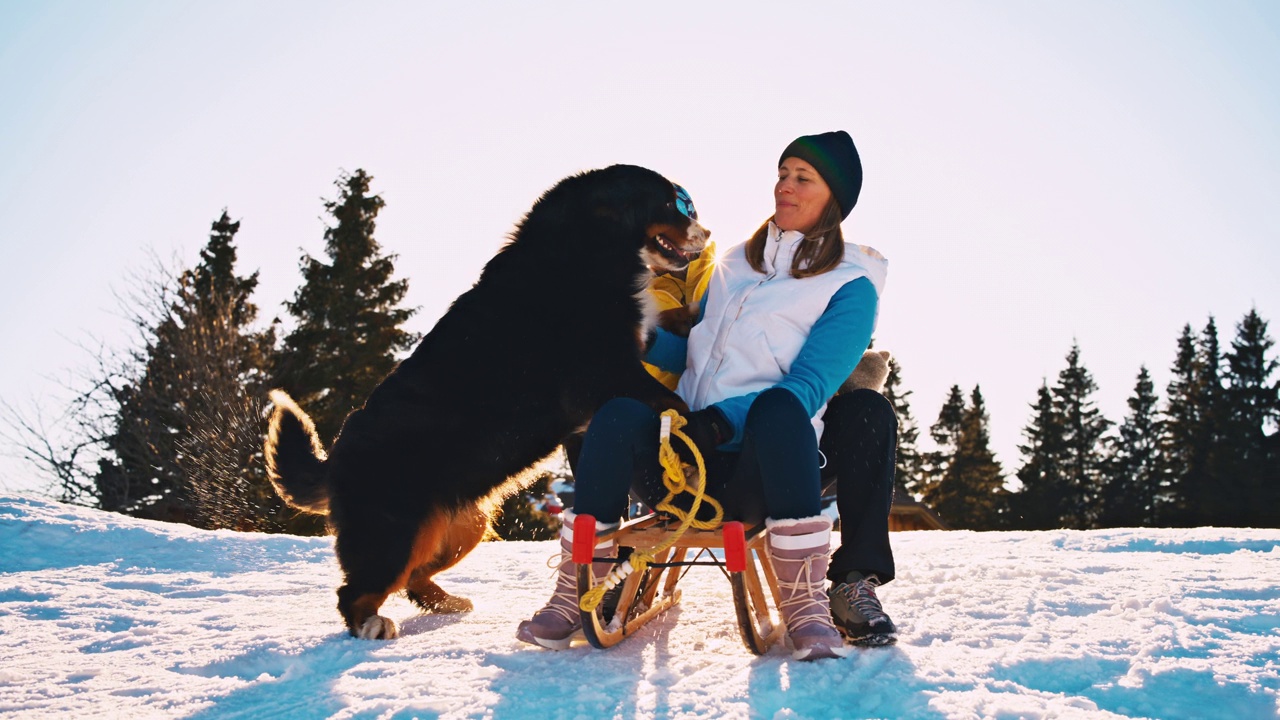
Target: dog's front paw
<point x="378" y="628"/>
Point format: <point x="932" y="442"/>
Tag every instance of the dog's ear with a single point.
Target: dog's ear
<point x="631" y="196"/>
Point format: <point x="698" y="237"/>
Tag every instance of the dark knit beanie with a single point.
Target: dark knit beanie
<point x="835" y="158"/>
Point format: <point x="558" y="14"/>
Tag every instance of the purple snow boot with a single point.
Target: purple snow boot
<point x="798" y="549"/>
<point x="559" y="620"/>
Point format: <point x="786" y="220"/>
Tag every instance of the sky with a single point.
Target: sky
<point x="103" y="615"/>
<point x="1038" y="174"/>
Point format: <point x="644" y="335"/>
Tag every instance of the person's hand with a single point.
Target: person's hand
<point x="708" y="429"/>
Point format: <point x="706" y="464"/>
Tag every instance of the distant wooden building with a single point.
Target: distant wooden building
<point x="907" y="514"/>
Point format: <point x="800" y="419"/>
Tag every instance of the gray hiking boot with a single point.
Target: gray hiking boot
<point x="857" y="611"/>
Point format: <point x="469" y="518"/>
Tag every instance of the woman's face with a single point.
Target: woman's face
<point x="799" y="197"/>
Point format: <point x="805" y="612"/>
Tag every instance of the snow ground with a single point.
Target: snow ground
<point x="103" y="615"/>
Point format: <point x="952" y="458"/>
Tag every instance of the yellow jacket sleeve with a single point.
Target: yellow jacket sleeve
<point x="671" y="292"/>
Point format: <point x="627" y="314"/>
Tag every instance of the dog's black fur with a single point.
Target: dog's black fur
<point x="552" y="330"/>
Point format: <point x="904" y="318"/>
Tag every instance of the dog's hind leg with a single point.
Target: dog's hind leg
<point x="463" y="530"/>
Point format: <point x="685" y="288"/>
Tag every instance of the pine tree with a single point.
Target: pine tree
<point x="969" y="494"/>
<point x="1255" y="400"/>
<point x="190" y="400"/>
<point x="1218" y="496"/>
<point x="1083" y="428"/>
<point x="1039" y="504"/>
<point x="909" y="464"/>
<point x="213" y="282"/>
<point x="1195" y="404"/>
<point x="348" y="316"/>
<point x="946" y="434"/>
<point x="519" y="519"/>
<point x="1183" y="414"/>
<point x="1247" y="471"/>
<point x="1137" y="476"/>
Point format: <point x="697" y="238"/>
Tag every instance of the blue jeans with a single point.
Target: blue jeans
<point x="775" y="475"/>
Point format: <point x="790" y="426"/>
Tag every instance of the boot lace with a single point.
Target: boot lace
<point x="564" y="599"/>
<point x="803" y="604"/>
<point x="861" y="595"/>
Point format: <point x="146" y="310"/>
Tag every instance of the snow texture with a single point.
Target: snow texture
<point x="103" y="615"/>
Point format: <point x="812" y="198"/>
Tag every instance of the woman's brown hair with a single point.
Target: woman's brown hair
<point x="821" y="250"/>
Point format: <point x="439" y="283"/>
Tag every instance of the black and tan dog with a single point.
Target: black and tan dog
<point x="552" y="330"/>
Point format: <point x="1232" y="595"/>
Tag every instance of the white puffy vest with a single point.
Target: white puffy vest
<point x="755" y="323"/>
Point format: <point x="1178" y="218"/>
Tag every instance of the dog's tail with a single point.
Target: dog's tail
<point x="295" y="457"/>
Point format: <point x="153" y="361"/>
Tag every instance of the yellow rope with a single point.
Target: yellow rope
<point x="674" y="478"/>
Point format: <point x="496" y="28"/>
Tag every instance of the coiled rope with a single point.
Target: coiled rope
<point x="673" y="477"/>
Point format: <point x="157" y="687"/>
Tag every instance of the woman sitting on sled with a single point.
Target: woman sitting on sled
<point x="786" y="317"/>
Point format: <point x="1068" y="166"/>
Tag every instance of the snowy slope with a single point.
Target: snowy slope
<point x="102" y="615"/>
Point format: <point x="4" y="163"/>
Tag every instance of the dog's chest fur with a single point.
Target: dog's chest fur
<point x="647" y="305"/>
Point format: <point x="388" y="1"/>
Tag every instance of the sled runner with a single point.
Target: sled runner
<point x="645" y="594"/>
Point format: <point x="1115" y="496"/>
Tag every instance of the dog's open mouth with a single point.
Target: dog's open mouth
<point x="670" y="247"/>
<point x="669" y="251"/>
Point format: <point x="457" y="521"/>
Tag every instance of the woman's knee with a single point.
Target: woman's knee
<point x="776" y="405"/>
<point x="621" y="414"/>
<point x="867" y="406"/>
<point x="860" y="414"/>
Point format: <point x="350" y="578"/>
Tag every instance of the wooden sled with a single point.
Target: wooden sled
<point x="645" y="595"/>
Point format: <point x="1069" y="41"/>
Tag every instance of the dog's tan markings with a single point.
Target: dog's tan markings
<point x="679" y="320"/>
<point x="434" y="599"/>
<point x="443" y="539"/>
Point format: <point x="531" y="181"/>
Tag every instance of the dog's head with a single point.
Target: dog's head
<point x="658" y="214"/>
<point x="672" y="241"/>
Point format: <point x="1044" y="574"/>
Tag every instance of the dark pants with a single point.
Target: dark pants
<point x="860" y="441"/>
<point x="775" y="475"/>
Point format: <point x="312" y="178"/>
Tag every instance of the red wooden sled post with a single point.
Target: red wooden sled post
<point x="735" y="546"/>
<point x="584" y="539"/>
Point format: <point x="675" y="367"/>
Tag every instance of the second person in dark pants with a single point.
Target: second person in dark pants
<point x="859" y="444"/>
